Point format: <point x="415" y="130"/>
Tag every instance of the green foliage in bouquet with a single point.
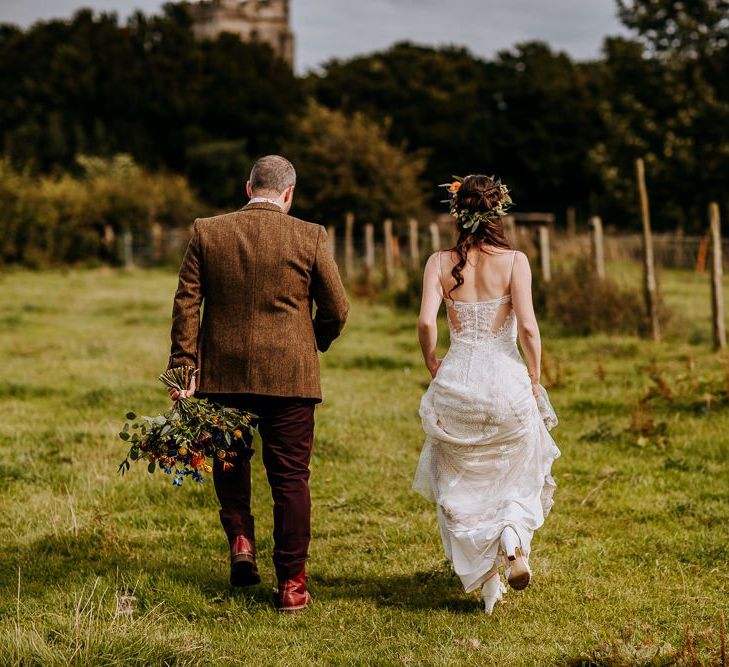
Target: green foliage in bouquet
<point x="181" y="441"/>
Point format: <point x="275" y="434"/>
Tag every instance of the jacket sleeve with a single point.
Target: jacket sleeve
<point x="329" y="295"/>
<point x="186" y="308"/>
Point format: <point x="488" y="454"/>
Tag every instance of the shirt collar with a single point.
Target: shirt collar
<point x="264" y="200"/>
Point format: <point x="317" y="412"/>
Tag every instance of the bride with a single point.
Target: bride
<point x="487" y="455"/>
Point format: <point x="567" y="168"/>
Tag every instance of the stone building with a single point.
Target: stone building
<point x="264" y="21"/>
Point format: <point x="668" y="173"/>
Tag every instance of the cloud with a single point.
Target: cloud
<point x="342" y="28"/>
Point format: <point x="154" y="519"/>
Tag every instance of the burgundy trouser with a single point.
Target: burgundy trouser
<point x="286" y="426"/>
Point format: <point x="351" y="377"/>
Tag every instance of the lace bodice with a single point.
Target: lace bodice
<point x="481" y="321"/>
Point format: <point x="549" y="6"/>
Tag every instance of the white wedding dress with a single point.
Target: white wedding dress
<point x="488" y="454"/>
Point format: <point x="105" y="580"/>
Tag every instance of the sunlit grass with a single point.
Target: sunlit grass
<point x="636" y="547"/>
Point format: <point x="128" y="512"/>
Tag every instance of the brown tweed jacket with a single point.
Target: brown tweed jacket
<point x="255" y="275"/>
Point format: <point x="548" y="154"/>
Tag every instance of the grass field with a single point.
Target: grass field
<point x="633" y="557"/>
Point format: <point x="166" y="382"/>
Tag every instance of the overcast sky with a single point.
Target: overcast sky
<point x="342" y="28"/>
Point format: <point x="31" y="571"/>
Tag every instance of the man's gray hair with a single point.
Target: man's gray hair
<point x="272" y="173"/>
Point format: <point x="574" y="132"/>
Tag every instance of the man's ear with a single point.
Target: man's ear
<point x="249" y="189"/>
<point x="289" y="194"/>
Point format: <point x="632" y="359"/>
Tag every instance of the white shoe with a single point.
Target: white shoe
<point x="518" y="573"/>
<point x="492" y="591"/>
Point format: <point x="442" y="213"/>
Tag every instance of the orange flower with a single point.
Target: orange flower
<point x="197" y="461"/>
<point x="455" y="186"/>
<point x="238" y="434"/>
<point x="221" y="454"/>
<point x="227" y="466"/>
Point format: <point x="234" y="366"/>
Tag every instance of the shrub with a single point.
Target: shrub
<point x="579" y="303"/>
<point x="346" y="164"/>
<point x="62" y="219"/>
<point x="407" y="297"/>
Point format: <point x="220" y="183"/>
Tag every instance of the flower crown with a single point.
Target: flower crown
<point x="471" y="221"/>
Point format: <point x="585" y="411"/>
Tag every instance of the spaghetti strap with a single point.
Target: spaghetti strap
<point x="511" y="271"/>
<point x="440" y="273"/>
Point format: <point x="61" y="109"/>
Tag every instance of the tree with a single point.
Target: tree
<point x="682" y="105"/>
<point x="219" y="170"/>
<point x="433" y="99"/>
<point x="528" y="116"/>
<point x="148" y="88"/>
<point x="547" y="121"/>
<point x="345" y="164"/>
<point x="687" y="27"/>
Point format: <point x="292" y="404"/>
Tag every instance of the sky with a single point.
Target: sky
<point x="328" y="29"/>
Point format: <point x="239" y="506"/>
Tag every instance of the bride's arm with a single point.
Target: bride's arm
<point x="428" y="318"/>
<point x="521" y="299"/>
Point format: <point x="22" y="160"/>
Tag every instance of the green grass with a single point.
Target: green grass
<point x="634" y="551"/>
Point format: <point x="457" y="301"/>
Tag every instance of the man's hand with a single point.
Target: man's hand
<point x="186" y="393"/>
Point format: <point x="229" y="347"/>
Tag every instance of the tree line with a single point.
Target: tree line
<point x="376" y="133"/>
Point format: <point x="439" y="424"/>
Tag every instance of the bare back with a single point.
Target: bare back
<point x="496" y="292"/>
<point x="486" y="277"/>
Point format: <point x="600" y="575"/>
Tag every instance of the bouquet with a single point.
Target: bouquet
<point x="181" y="441"/>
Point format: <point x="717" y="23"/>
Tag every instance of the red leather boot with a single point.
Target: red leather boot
<point x="243" y="568"/>
<point x="292" y="593"/>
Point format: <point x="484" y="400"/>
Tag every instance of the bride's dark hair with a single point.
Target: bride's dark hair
<point x="477" y="194"/>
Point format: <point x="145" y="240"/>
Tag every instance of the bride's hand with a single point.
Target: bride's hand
<point x="434" y="366"/>
<point x="535" y="389"/>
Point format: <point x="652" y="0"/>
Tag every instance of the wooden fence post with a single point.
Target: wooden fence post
<point x="109" y="241"/>
<point x="156" y="234"/>
<point x="369" y="253"/>
<point x="349" y="246"/>
<point x="649" y="274"/>
<point x="434" y="236"/>
<point x="332" y="240"/>
<point x="414" y="244"/>
<point x="571" y="221"/>
<point x="453" y="234"/>
<point x="127" y="249"/>
<point x="598" y="252"/>
<point x="396" y="252"/>
<point x="678" y="248"/>
<point x="544" y="253"/>
<point x="509" y="226"/>
<point x="717" y="292"/>
<point x="389" y="263"/>
<point x="701" y="255"/>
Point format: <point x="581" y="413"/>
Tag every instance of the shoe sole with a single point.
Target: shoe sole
<point x="520" y="575"/>
<point x="292" y="610"/>
<point x="242" y="574"/>
<point x="243" y="558"/>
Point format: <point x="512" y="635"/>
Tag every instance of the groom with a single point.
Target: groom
<point x="257" y="273"/>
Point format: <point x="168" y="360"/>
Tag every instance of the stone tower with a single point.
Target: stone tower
<point x="264" y="21"/>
